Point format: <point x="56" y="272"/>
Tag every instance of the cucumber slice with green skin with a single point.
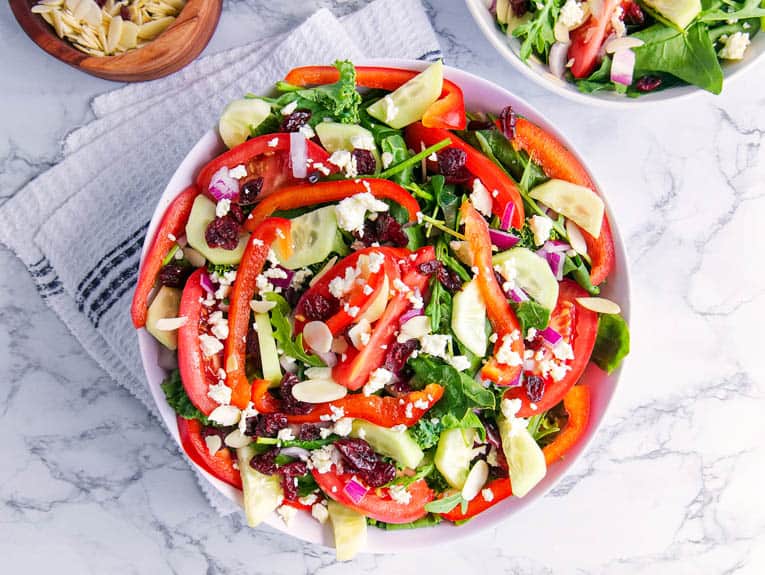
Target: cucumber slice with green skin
<point x="262" y="493"/>
<point x="314" y="237"/>
<point x="350" y="529"/>
<point x="525" y="459"/>
<point x="532" y="274"/>
<point x="394" y="444"/>
<point x="202" y="213"/>
<point x="409" y="101"/>
<point x="579" y="204"/>
<point x="679" y="12"/>
<point x="453" y="455"/>
<point x="335" y="136"/>
<point x="269" y="357"/>
<point x="165" y="305"/>
<point x="239" y="117"/>
<point x="469" y="318"/>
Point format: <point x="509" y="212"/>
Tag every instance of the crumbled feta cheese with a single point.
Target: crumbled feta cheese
<point x="213" y="443"/>
<point x="415" y="298"/>
<point x="218" y="325"/>
<point x="325" y="432"/>
<point x="399" y="494"/>
<point x="363" y="142"/>
<point x="309" y="499"/>
<point x="563" y="351"/>
<point x="491" y="458"/>
<point x="209" y="345"/>
<point x="558" y="371"/>
<point x="487" y="494"/>
<point x="617" y="22"/>
<point x="387" y="159"/>
<point x="319" y="512"/>
<point x="238" y="172"/>
<point x="390" y="108"/>
<point x="379" y="379"/>
<point x="400" y="428"/>
<point x="571" y="14"/>
<point x="351" y="211"/>
<point x="376" y="260"/>
<point x="541" y="226"/>
<point x="360" y="333"/>
<point x="341" y="285"/>
<point x="287" y="513"/>
<point x="247" y="412"/>
<point x="459" y="362"/>
<point x="285" y="434"/>
<point x="352" y="311"/>
<point x="480" y="198"/>
<point x="493" y="338"/>
<point x="506" y="355"/>
<point x="300" y="277"/>
<point x="220" y="393"/>
<point x="343" y="426"/>
<point x="289" y="108"/>
<point x="275" y="273"/>
<point x="323" y="458"/>
<point x="510" y="407"/>
<point x="337" y="413"/>
<point x="434" y="344"/>
<point x="273" y="142"/>
<point x="367" y="289"/>
<point x="344" y="161"/>
<point x="421" y="404"/>
<point x="307" y="131"/>
<point x="531" y="334"/>
<point x="408" y="411"/>
<point x="735" y="46"/>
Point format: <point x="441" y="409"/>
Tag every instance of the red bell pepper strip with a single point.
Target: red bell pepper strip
<point x="577" y="406"/>
<point x="481" y="167"/>
<point x="377" y="503"/>
<point x="324" y="192"/>
<point x="220" y="465"/>
<point x="501" y="315"/>
<point x="255" y="255"/>
<point x="253" y="153"/>
<point x="447" y="112"/>
<point x="559" y="163"/>
<point x="196" y="370"/>
<point x="500" y="488"/>
<point x="173" y="224"/>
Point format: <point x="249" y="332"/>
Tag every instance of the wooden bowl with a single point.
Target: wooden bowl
<point x="170" y="51"/>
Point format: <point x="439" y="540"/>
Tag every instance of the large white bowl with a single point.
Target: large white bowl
<point x="538" y="71"/>
<point x="479" y="95"/>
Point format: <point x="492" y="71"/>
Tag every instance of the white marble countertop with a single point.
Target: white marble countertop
<point x="89" y="483"/>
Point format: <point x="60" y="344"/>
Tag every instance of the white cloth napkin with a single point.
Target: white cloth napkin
<point x="79" y="227"/>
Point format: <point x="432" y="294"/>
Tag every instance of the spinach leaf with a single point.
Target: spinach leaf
<point x="599" y="80"/>
<point x="687" y="55"/>
<point x="178" y="399"/>
<point x="395" y="145"/>
<point x="613" y="342"/>
<point x="292" y="346"/>
<point x="578" y="271"/>
<point x="531" y="314"/>
<point x="537" y="33"/>
<point x="306" y="485"/>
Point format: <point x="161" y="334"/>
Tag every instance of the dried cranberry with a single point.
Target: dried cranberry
<point x="535" y="388"/>
<point x="475" y="125"/>
<point x="398" y="388"/>
<point x="223" y="233"/>
<point x="648" y="83"/>
<point x="290" y="472"/>
<point x="384" y="229"/>
<point x="251" y="426"/>
<point x="221" y="432"/>
<point x="398" y="353"/>
<point x="429" y="267"/>
<point x="507" y="122"/>
<point x="382" y="473"/>
<point x="451" y="161"/>
<point x="265" y="463"/>
<point x="633" y="14"/>
<point x="361" y="459"/>
<point x="174" y="275"/>
<point x="318" y="308"/>
<point x="296" y="120"/>
<point x="309" y="432"/>
<point x="269" y="424"/>
<point x="291" y="405"/>
<point x="236" y="212"/>
<point x="365" y="161"/>
<point x="125" y="13"/>
<point x="519" y="7"/>
<point x="250" y="191"/>
<point x="449" y="279"/>
<point x="252" y="349"/>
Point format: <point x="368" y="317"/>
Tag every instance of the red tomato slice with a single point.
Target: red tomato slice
<point x="377" y="506"/>
<point x="579" y="327"/>
<point x="220" y="465"/>
<point x="587" y="40"/>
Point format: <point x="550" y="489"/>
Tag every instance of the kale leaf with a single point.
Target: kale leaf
<point x="179" y="400"/>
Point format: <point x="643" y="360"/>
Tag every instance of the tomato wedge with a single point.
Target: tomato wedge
<point x="587" y="40"/>
<point x="377" y="504"/>
<point x="197" y="371"/>
<point x="500" y="488"/>
<point x="446" y="112"/>
<point x="579" y="327"/>
<point x="558" y="162"/>
<point x="220" y="465"/>
<point x="255" y="255"/>
<point x="577" y="405"/>
<point x="324" y="192"/>
<point x="264" y="157"/>
<point x="491" y="175"/>
<point x="173" y="224"/>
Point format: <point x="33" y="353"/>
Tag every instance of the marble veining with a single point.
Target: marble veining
<point x="89" y="483"/>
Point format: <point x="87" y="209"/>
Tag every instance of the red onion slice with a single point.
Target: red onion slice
<point x="556" y="261"/>
<point x="206" y="283"/>
<point x="503" y="240"/>
<point x="518" y="295"/>
<point x="550" y="335"/>
<point x="298" y="155"/>
<point x="296" y="452"/>
<point x="622" y="67"/>
<point x="558" y="58"/>
<point x="353" y="489"/>
<point x="223" y="186"/>
<point x="329" y="358"/>
<point x="285" y="282"/>
<point x="409" y="314"/>
<point x="507" y="216"/>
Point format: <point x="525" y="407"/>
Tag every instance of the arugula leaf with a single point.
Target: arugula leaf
<point x="439" y="308"/>
<point x="537" y="33"/>
<point x="688" y="55"/>
<point x="309" y="444"/>
<point x="341" y="100"/>
<point x="445" y="504"/>
<point x="292" y="347"/>
<point x="741" y="11"/>
<point x="576" y="268"/>
<point x="531" y="314"/>
<point x="178" y="399"/>
<point x="613" y="342"/>
<point x="542" y="426"/>
<point x="395" y="145"/>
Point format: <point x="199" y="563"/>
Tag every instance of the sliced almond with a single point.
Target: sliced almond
<point x="262" y="306"/>
<point x="129" y="37"/>
<point x="318" y="391"/>
<point x="150" y="30"/>
<point x="414" y="328"/>
<point x="475" y="481"/>
<point x="225" y="415"/>
<point x="237" y="439"/>
<point x="623" y="43"/>
<point x="171" y="323"/>
<point x="360" y="333"/>
<point x="575" y="238"/>
<point x="319" y="373"/>
<point x="599" y="305"/>
<point x="115" y="31"/>
<point x="317" y="336"/>
<point x="328" y="266"/>
<point x="213" y="443"/>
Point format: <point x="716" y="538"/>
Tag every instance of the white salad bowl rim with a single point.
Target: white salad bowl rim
<point x="479" y="94"/>
<point x="539" y="73"/>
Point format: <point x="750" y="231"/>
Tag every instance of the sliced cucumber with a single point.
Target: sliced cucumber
<point x="239" y="117"/>
<point x="202" y="213"/>
<point x="408" y="103"/>
<point x="313" y="235"/>
<point x="453" y="455"/>
<point x="350" y="529"/>
<point x="335" y="136"/>
<point x="165" y="305"/>
<point x="679" y="12"/>
<point x="525" y="459"/>
<point x="269" y="357"/>
<point x="394" y="444"/>
<point x="532" y="274"/>
<point x="581" y="205"/>
<point x="469" y="318"/>
<point x="262" y="493"/>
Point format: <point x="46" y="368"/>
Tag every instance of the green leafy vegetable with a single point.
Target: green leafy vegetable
<point x="414" y="160"/>
<point x="531" y="314"/>
<point x="340" y="100"/>
<point x="306" y="485"/>
<point x="537" y="34"/>
<point x="308" y="444"/>
<point x="179" y="401"/>
<point x="426" y="432"/>
<point x="543" y="426"/>
<point x="613" y="342"/>
<point x="427" y="521"/>
<point x="576" y="268"/>
<point x="395" y="145"/>
<point x="292" y="346"/>
<point x="445" y="504"/>
<point x="738" y="11"/>
<point x="439" y="308"/>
